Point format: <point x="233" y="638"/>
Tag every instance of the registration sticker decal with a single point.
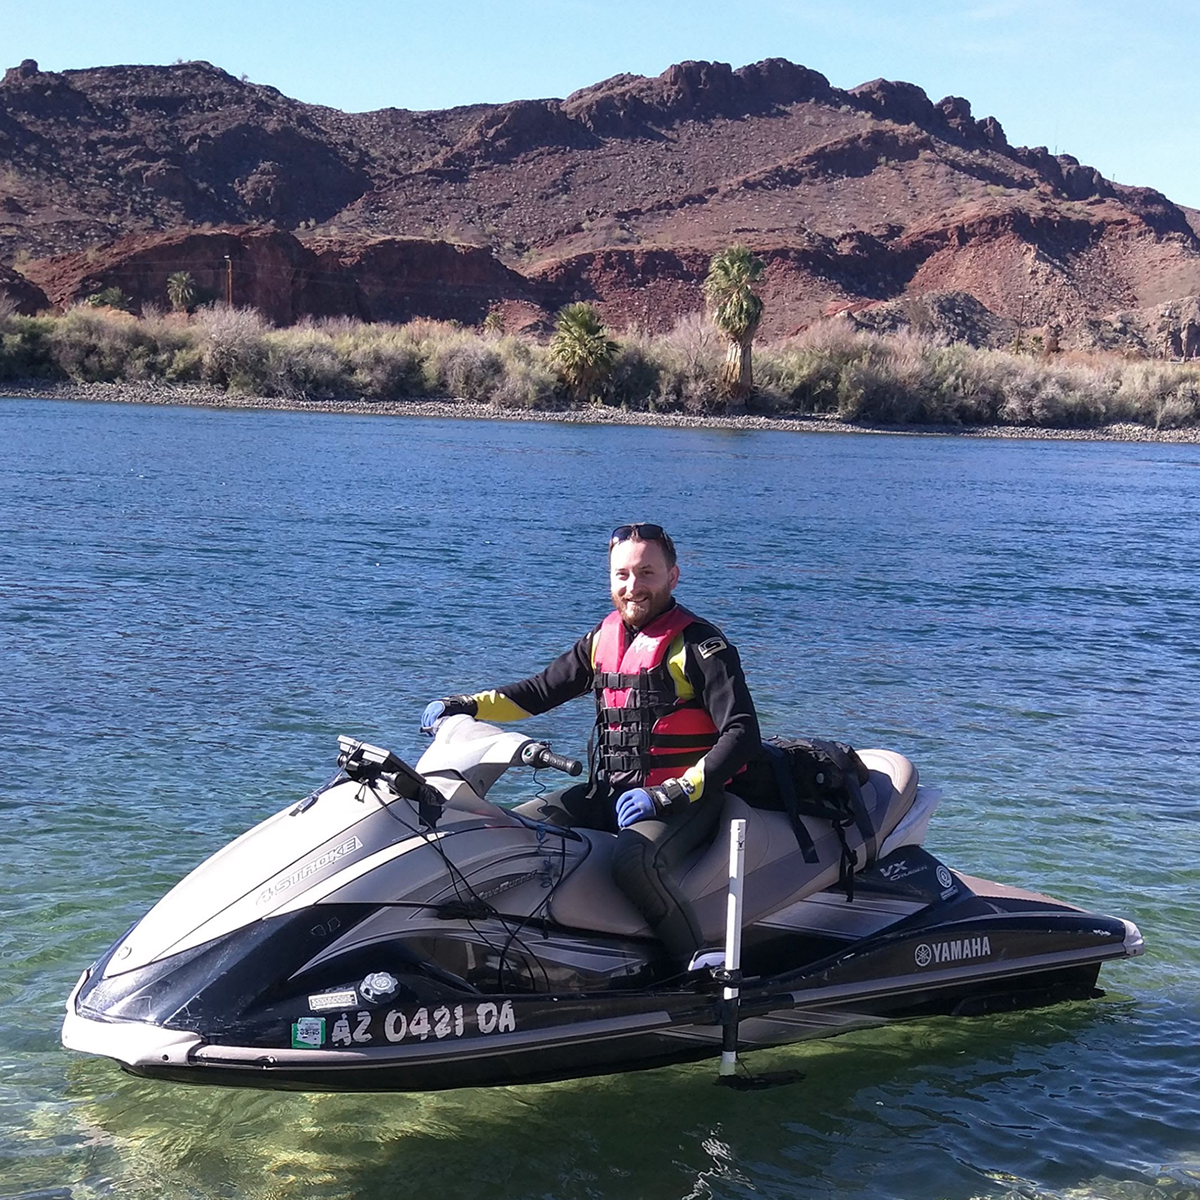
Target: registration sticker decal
<point x="308" y="1033"/>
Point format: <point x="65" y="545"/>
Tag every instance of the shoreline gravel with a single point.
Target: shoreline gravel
<point x="202" y="396"/>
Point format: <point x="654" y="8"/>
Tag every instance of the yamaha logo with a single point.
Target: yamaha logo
<point x="947" y="952"/>
<point x="944" y="878"/>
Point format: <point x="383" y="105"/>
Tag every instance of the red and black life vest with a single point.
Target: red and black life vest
<point x="643" y="726"/>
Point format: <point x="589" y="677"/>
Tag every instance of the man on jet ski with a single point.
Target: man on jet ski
<point x="674" y="723"/>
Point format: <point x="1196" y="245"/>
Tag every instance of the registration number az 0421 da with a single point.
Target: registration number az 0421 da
<point x="419" y="1025"/>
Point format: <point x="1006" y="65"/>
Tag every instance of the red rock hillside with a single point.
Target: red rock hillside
<point x="857" y="200"/>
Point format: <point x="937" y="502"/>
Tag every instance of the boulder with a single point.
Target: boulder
<point x="954" y="316"/>
<point x="28" y="69"/>
<point x="515" y="129"/>
<point x="904" y="103"/>
<point x="18" y="294"/>
<point x="1080" y="182"/>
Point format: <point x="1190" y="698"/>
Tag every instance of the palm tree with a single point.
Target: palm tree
<point x="181" y="291"/>
<point x="736" y="311"/>
<point x="581" y="349"/>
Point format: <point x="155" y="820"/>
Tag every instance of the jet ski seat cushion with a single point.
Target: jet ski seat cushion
<point x="774" y="864"/>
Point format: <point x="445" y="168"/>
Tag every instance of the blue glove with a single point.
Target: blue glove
<point x="448" y="706"/>
<point x="635" y="805"/>
<point x="434" y="711"/>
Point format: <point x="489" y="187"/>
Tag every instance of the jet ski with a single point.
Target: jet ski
<point x="396" y="930"/>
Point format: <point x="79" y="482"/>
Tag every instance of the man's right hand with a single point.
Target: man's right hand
<point x="449" y="706"/>
<point x="635" y="805"/>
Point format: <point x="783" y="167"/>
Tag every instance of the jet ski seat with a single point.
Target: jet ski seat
<point x="776" y="873"/>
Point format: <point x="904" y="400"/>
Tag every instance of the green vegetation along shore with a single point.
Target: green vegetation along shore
<point x="830" y="374"/>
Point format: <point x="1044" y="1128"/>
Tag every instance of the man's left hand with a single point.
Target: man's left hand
<point x="634" y="805"/>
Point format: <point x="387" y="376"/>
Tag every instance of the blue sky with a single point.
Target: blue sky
<point x="1111" y="82"/>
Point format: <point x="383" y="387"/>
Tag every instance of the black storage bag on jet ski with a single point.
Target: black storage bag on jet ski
<point x="822" y="779"/>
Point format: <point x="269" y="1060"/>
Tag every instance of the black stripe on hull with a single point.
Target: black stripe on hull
<point x="579" y="1054"/>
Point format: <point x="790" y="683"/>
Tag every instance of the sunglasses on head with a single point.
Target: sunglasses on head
<point x="644" y="531"/>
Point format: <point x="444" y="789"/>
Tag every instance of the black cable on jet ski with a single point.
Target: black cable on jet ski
<point x="368" y="764"/>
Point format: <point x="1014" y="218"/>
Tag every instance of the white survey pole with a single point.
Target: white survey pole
<point x="733" y="945"/>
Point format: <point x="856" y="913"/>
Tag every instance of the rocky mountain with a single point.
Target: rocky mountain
<point x="857" y="200"/>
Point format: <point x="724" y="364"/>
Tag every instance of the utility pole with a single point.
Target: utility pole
<point x="229" y="281"/>
<point x="1020" y="322"/>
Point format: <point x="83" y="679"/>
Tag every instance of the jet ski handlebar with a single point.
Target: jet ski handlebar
<point x="366" y="764"/>
<point x="538" y="754"/>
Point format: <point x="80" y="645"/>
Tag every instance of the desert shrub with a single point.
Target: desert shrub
<point x="466" y="367"/>
<point x="385" y="367"/>
<point x="1048" y="396"/>
<point x="233" y="352"/>
<point x="171" y="350"/>
<point x="1157" y="394"/>
<point x="634" y="376"/>
<point x="110" y="297"/>
<point x="27" y="348"/>
<point x="1165" y="397"/>
<point x="954" y="390"/>
<point x="868" y="392"/>
<point x="808" y="368"/>
<point x="831" y="368"/>
<point x="688" y="359"/>
<point x="693" y="345"/>
<point x="337" y="327"/>
<point x="426" y="335"/>
<point x="529" y="384"/>
<point x="1181" y="406"/>
<point x="906" y="377"/>
<point x="894" y="378"/>
<point x="185" y="365"/>
<point x="94" y="345"/>
<point x="804" y="377"/>
<point x="690" y="394"/>
<point x="523" y="352"/>
<point x="305" y="363"/>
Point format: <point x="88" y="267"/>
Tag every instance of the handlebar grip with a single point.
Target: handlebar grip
<point x="538" y="755"/>
<point x="569" y="766"/>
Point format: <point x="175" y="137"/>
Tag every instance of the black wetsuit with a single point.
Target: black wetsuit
<point x="647" y="851"/>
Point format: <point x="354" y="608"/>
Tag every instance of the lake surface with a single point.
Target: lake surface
<point x="194" y="603"/>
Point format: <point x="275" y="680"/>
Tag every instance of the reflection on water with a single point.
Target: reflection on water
<point x="193" y="604"/>
<point x="976" y="1105"/>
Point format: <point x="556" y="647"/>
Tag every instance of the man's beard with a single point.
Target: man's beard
<point x="641" y="614"/>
